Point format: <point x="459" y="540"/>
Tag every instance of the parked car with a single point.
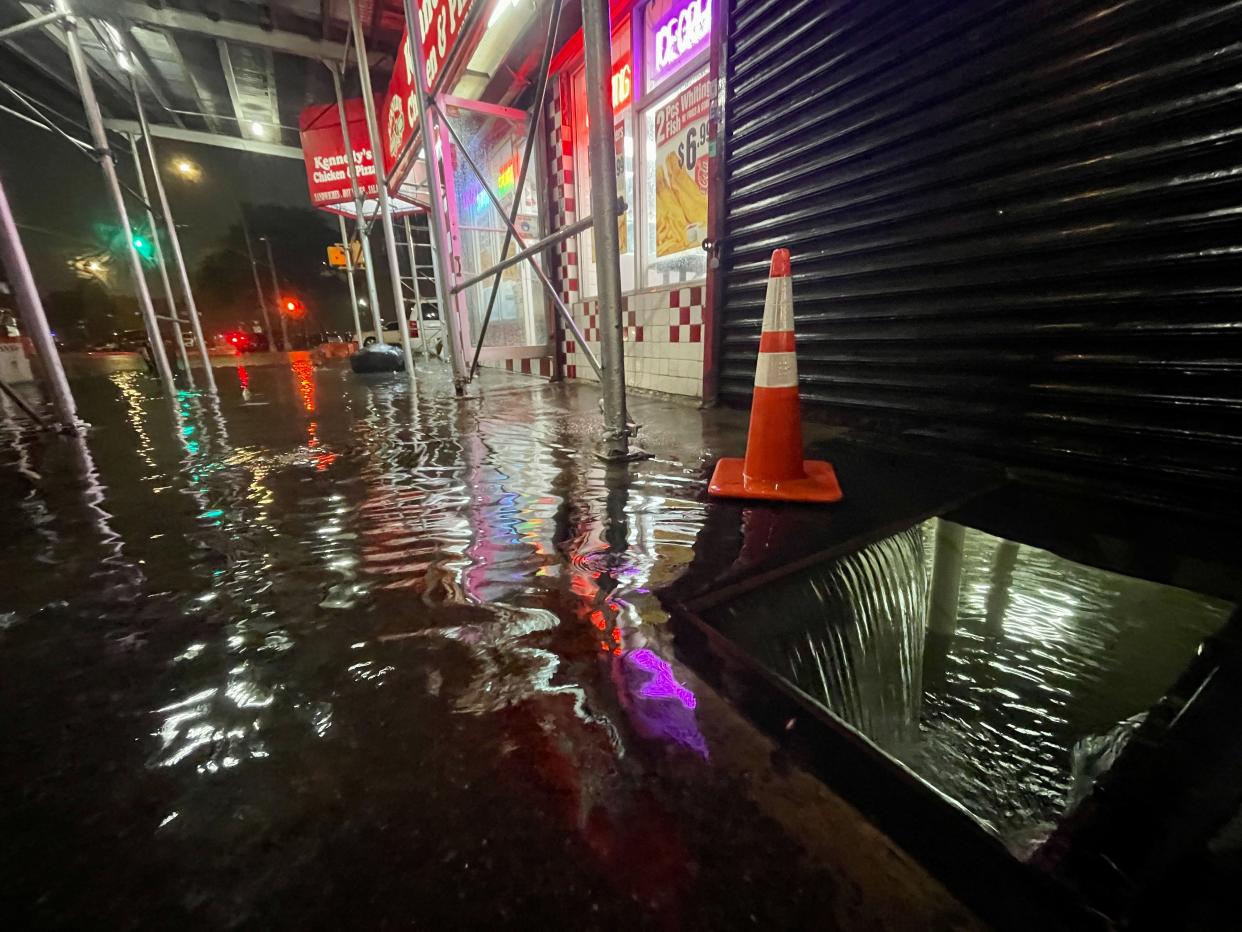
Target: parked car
<point x="391" y="333"/>
<point x="327" y="336"/>
<point x="244" y="342"/>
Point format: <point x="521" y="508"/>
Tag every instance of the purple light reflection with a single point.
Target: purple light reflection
<point x="662" y="685"/>
<point x="650" y="684"/>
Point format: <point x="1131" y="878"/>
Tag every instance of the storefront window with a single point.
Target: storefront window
<point x="494" y="142"/>
<point x="675" y="185"/>
<point x="661" y="139"/>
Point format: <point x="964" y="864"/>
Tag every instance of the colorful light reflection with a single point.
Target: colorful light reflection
<point x="662" y="685"/>
<point x="658" y="705"/>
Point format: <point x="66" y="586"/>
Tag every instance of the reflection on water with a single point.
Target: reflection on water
<point x="329" y="627"/>
<point x="1003" y="674"/>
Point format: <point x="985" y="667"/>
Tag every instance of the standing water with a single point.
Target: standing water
<point x="334" y="653"/>
<point x="1005" y="676"/>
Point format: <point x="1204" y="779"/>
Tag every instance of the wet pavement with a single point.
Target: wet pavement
<point x="333" y="654"/>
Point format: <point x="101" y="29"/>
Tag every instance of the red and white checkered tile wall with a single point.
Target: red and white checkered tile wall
<point x="663" y="327"/>
<point x="663" y="334"/>
<point x="529" y="365"/>
<point x="561" y="208"/>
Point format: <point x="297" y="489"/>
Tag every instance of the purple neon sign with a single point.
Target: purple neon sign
<point x="677" y="30"/>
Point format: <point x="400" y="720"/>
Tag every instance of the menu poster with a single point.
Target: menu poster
<point x="681" y="169"/>
<point x="623" y="226"/>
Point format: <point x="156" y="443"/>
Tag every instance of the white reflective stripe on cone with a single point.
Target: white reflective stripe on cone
<point x="778" y="305"/>
<point x="777" y="370"/>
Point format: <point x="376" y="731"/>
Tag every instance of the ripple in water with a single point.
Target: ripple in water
<point x="994" y="670"/>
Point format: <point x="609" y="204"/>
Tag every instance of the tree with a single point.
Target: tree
<point x="299" y="238"/>
<point x="88" y="314"/>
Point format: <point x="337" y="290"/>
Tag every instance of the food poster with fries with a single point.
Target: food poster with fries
<point x="681" y="169"/>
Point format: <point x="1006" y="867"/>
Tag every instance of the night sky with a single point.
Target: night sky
<point x="61" y="193"/>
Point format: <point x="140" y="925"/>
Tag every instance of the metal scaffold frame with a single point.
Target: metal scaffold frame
<point x="438" y="140"/>
<point x="385" y="207"/>
<point x="606" y="207"/>
<point x="34" y="320"/>
<point x="100" y="151"/>
<point x="99" y="138"/>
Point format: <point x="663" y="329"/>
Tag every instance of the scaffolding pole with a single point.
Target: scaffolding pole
<point x="349" y="276"/>
<point x="364" y="230"/>
<point x="385" y="207"/>
<point x="597" y="49"/>
<point x="191" y="307"/>
<point x="34" y="320"/>
<point x="99" y="138"/>
<point x="435" y="216"/>
<point x="47" y="19"/>
<point x="159" y="261"/>
<point x="418" y="293"/>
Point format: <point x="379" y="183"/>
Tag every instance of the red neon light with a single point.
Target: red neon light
<point x="622" y="83"/>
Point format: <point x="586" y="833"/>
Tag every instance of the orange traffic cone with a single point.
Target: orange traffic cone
<point x="774" y="468"/>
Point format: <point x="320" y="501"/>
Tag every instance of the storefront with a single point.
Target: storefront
<point x="661" y="95"/>
<point x="463" y="41"/>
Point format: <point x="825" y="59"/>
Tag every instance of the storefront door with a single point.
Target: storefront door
<point x="495" y="138"/>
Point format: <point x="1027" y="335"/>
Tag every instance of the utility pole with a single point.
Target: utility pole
<point x="258" y="287"/>
<point x="271" y="264"/>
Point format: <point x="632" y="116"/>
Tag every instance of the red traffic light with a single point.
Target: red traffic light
<point x="292" y="307"/>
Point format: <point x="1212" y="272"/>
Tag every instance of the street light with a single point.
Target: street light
<point x="185" y="169"/>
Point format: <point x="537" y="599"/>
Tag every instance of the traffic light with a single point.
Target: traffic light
<point x="292" y="307"/>
<point x="145" y="247"/>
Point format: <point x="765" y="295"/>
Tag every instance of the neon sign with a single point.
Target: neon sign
<point x="622" y="83"/>
<point x="682" y="34"/>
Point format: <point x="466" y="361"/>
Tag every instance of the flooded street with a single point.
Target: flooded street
<point x="336" y="654"/>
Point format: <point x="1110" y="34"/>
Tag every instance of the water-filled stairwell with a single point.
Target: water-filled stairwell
<point x="1004" y="676"/>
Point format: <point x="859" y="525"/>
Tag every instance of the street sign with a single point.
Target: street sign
<point x="337" y="259"/>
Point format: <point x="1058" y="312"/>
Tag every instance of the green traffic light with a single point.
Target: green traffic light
<point x="145" y="248"/>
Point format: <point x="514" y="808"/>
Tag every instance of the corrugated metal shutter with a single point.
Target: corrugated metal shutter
<point x="1016" y="226"/>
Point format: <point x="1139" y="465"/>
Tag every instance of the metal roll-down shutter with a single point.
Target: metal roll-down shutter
<point x="1016" y="227"/>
